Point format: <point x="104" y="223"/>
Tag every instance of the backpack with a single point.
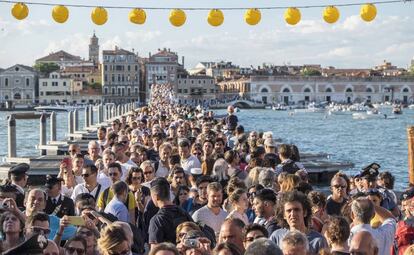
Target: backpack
<point x="404" y="237"/>
<point x="290" y="167"/>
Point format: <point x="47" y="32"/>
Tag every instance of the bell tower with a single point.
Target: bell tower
<point x="94" y="49"/>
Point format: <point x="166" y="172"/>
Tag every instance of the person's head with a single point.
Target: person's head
<point x="285" y="151"/>
<point x="89" y="236"/>
<point x="37" y="223"/>
<point x="113" y="240"/>
<point x="230" y="109"/>
<point x="74" y="149"/>
<point x="84" y="201"/>
<point x="318" y="200"/>
<point x="202" y="184"/>
<point x="252" y="232"/>
<point x="227" y="248"/>
<point x="208" y="147"/>
<point x="232" y="231"/>
<point x="183" y="193"/>
<point x="165" y="151"/>
<point x="178" y="177"/>
<point x="363" y="243"/>
<point x="289" y="183"/>
<point x="35" y="201"/>
<point x="89" y="174"/>
<point x="337" y="230"/>
<point x="94" y="149"/>
<point x="51" y="248"/>
<point x="160" y="191"/>
<point x="164" y="249"/>
<point x="184" y="228"/>
<point x="75" y="246"/>
<point x="120" y="190"/>
<point x="375" y="196"/>
<point x="135" y="176"/>
<point x="214" y="195"/>
<point x="338" y="187"/>
<point x="127" y="229"/>
<point x="267" y="178"/>
<point x="362" y="210"/>
<point x="108" y="157"/>
<point x="264" y="203"/>
<point x="294" y="210"/>
<point x="263" y="246"/>
<point x="115" y="172"/>
<point x="239" y="200"/>
<point x="295" y="243"/>
<point x="10" y="223"/>
<point x="8" y="191"/>
<point x="101" y="133"/>
<point x="184" y="148"/>
<point x="78" y="161"/>
<point x="231" y="157"/>
<point x="386" y="180"/>
<point x="148" y="170"/>
<point x="219" y="146"/>
<point x="53" y="186"/>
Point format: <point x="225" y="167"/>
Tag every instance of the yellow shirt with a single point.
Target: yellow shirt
<point x="375" y="222"/>
<point x="102" y="204"/>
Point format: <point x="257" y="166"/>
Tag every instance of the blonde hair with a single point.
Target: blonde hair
<point x="409" y="250"/>
<point x="187" y="224"/>
<point x="290" y="182"/>
<point x="112" y="236"/>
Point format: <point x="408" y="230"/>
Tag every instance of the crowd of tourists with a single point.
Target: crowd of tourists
<point x="171" y="179"/>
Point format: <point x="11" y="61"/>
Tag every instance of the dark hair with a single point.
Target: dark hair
<point x="266" y="195"/>
<point x="289" y="197"/>
<point x="161" y="187"/>
<point x="235" y="196"/>
<point x="227" y="246"/>
<point x="317" y="198"/>
<point x="3" y="218"/>
<point x="203" y="179"/>
<point x="174" y="159"/>
<point x="76" y="238"/>
<point x="255" y="227"/>
<point x="115" y="165"/>
<point x="285" y="151"/>
<point x="259" y="150"/>
<point x="102" y="129"/>
<point x="177" y="196"/>
<point x="219" y="140"/>
<point x="93" y="168"/>
<point x="119" y="187"/>
<point x="164" y="247"/>
<point x="230" y="155"/>
<point x="39" y="216"/>
<point x="85" y="200"/>
<point x="184" y="143"/>
<point x="79" y="156"/>
<point x="295" y="156"/>
<point x="132" y="170"/>
<point x="388" y="179"/>
<point x="271" y="160"/>
<point x="337" y="230"/>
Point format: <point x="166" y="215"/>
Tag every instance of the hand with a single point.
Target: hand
<point x="63" y="223"/>
<point x="10" y="203"/>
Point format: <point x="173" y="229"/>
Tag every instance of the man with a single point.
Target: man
<point x="338" y="199"/>
<point x="295" y="243"/>
<point x="18" y="179"/>
<point x="57" y="204"/>
<point x="36" y="203"/>
<point x="162" y="169"/>
<point x="108" y="157"/>
<point x="148" y="171"/>
<point x="154" y="151"/>
<point x="231" y="119"/>
<point x="51" y="248"/>
<point x="287" y="165"/>
<point x="270" y="146"/>
<point x="94" y="151"/>
<point x="233" y="159"/>
<point x="363" y="243"/>
<point x="294" y="212"/>
<point x="101" y="134"/>
<point x="163" y="224"/>
<point x="232" y="231"/>
<point x="212" y="214"/>
<point x="115" y="172"/>
<point x="188" y="161"/>
<point x="37" y="223"/>
<point x="363" y="210"/>
<point x="201" y="199"/>
<point x="90" y="185"/>
<point x="117" y="206"/>
<point x="74" y="149"/>
<point x="253" y="232"/>
<point x="76" y="244"/>
<point x="264" y="208"/>
<point x="124" y="160"/>
<point x="263" y="246"/>
<point x="219" y="146"/>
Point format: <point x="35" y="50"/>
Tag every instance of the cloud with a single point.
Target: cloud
<point x="111" y="43"/>
<point x="76" y="44"/>
<point x="141" y="36"/>
<point x="27" y="27"/>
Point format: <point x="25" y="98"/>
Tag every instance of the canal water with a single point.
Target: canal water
<point x="360" y="141"/>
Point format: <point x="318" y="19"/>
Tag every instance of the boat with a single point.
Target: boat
<point x="312" y="107"/>
<point x="411" y="106"/>
<point x="397" y="109"/>
<point x="279" y="107"/>
<point x="371" y="114"/>
<point x="58" y="108"/>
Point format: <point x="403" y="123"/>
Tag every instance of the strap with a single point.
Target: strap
<point x="97" y="192"/>
<point x="105" y="196"/>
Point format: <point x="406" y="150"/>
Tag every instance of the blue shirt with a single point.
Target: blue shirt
<point x="117" y="208"/>
<point x="54" y="223"/>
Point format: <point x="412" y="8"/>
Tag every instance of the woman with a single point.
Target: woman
<point x="337" y="234"/>
<point x="181" y="198"/>
<point x="134" y="180"/>
<point x="11" y="230"/>
<point x="289" y="183"/>
<point x="227" y="249"/>
<point x="90" y="237"/>
<point x="113" y="241"/>
<point x="68" y="182"/>
<point x="239" y="202"/>
<point x="183" y="229"/>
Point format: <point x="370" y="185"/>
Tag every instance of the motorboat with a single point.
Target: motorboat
<point x="371" y="114"/>
<point x="58" y="108"/>
<point x="279" y="107"/>
<point x="312" y="107"/>
<point x="397" y="109"/>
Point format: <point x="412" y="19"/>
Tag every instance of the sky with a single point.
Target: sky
<point x="349" y="43"/>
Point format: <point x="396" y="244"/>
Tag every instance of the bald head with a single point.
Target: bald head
<point x="363" y="243"/>
<point x="230" y="109"/>
<point x="232" y="231"/>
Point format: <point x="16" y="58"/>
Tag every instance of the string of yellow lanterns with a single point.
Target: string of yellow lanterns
<point x="177" y="18"/>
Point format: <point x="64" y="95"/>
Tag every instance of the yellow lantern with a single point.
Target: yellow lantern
<point x="292" y="16"/>
<point x="177" y="17"/>
<point x="215" y="17"/>
<point x="137" y="16"/>
<point x="252" y="16"/>
<point x="368" y="12"/>
<point x="99" y="16"/>
<point x="20" y="11"/>
<point x="331" y="14"/>
<point x="60" y="13"/>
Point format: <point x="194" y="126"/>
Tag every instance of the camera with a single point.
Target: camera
<point x="191" y="243"/>
<point x="4" y="205"/>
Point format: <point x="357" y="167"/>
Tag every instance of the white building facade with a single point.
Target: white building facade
<point x="196" y="89"/>
<point x="56" y="88"/>
<point x="18" y="85"/>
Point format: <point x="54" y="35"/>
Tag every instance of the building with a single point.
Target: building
<point x="303" y="89"/>
<point x="234" y="88"/>
<point x="19" y="85"/>
<point x="88" y="74"/>
<point x="63" y="59"/>
<point x="121" y="76"/>
<point x="94" y="49"/>
<point x="55" y="89"/>
<point x="196" y="89"/>
<point x="162" y="68"/>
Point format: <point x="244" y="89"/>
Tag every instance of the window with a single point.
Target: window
<point x="41" y="93"/>
<point x="106" y="67"/>
<point x="129" y="91"/>
<point x="106" y="77"/>
<point x="265" y="90"/>
<point x="27" y="82"/>
<point x="64" y="83"/>
<point x="328" y="90"/>
<point x="6" y="97"/>
<point x="17" y="69"/>
<point x="180" y="90"/>
<point x="348" y="90"/>
<point x="307" y="90"/>
<point x="44" y="84"/>
<point x="113" y="91"/>
<point x="129" y="68"/>
<point x="368" y="90"/>
<point x="286" y="90"/>
<point x="6" y="82"/>
<point x="185" y="91"/>
<point x="106" y="91"/>
<point x="405" y="90"/>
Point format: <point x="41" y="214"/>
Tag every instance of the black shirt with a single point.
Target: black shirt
<point x="164" y="223"/>
<point x="334" y="208"/>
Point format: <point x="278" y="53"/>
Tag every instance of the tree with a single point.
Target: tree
<point x="311" y="72"/>
<point x="46" y="68"/>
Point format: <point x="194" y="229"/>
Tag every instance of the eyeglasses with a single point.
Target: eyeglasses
<point x="85" y="233"/>
<point x="251" y="239"/>
<point x="72" y="150"/>
<point x="136" y="178"/>
<point x="339" y="186"/>
<point x="113" y="174"/>
<point x="72" y="250"/>
<point x="85" y="175"/>
<point x="125" y="252"/>
<point x="147" y="173"/>
<point x="39" y="230"/>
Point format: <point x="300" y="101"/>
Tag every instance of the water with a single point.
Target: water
<point x="359" y="141"/>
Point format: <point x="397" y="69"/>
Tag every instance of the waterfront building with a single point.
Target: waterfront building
<point x="55" y="89"/>
<point x="217" y="70"/>
<point x="19" y="85"/>
<point x="121" y="76"/>
<point x="63" y="59"/>
<point x="90" y="75"/>
<point x="162" y="68"/>
<point x="234" y="88"/>
<point x="196" y="89"/>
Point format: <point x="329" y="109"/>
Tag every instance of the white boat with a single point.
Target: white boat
<point x="279" y="107"/>
<point x="411" y="106"/>
<point x="58" y="108"/>
<point x="312" y="107"/>
<point x="372" y="114"/>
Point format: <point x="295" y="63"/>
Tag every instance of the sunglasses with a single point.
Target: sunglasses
<point x="72" y="250"/>
<point x="85" y="175"/>
<point x="339" y="186"/>
<point x="251" y="239"/>
<point x="72" y="150"/>
<point x="135" y="178"/>
<point x="183" y="194"/>
<point x="126" y="252"/>
<point x="85" y="233"/>
<point x="39" y="230"/>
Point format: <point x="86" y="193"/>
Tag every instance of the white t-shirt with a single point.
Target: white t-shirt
<point x="162" y="171"/>
<point x="81" y="188"/>
<point x="189" y="163"/>
<point x="205" y="216"/>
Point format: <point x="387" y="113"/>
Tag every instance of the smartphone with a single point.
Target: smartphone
<point x="76" y="220"/>
<point x="68" y="162"/>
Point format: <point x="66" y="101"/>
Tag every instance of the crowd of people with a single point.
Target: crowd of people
<point x="171" y="179"/>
